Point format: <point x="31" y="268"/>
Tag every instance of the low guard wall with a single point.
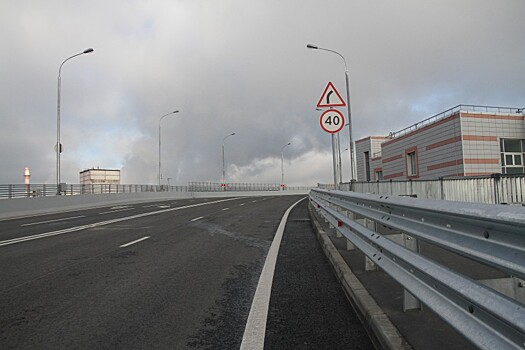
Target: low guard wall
<point x="22" y="207"/>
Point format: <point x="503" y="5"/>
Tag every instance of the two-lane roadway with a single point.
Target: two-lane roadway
<point x="138" y="276"/>
<point x="162" y="275"/>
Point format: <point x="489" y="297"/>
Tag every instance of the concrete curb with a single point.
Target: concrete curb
<point x="379" y="327"/>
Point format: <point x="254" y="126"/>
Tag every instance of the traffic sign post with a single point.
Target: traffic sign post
<point x="332" y="121"/>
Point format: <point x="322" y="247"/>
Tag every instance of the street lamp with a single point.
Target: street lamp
<point x="282" y="164"/>
<point x="160" y="173"/>
<point x="58" y="146"/>
<point x="352" y="156"/>
<point x="223" y="168"/>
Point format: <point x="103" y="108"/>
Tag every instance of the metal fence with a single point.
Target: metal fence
<point x="491" y="235"/>
<point x="39" y="190"/>
<point x="452" y="111"/>
<point x="42" y="190"/>
<point x="496" y="189"/>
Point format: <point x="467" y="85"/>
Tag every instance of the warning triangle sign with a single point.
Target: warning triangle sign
<point x="331" y="97"/>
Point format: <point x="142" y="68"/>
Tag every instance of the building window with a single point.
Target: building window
<point x="411" y="162"/>
<point x="367" y="166"/>
<point x="512" y="156"/>
<point x="379" y="175"/>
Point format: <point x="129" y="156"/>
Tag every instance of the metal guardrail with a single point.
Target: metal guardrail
<point x="496" y="189"/>
<point x="44" y="190"/>
<point x="492" y="235"/>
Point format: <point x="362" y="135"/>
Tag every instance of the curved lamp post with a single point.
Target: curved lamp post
<point x="223" y="167"/>
<point x="58" y="146"/>
<point x="282" y="164"/>
<point x="160" y="173"/>
<point x="352" y="163"/>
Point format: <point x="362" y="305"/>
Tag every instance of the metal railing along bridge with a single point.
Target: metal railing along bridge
<point x="492" y="235"/>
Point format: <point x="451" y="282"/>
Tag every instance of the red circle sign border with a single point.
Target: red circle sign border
<point x="342" y="118"/>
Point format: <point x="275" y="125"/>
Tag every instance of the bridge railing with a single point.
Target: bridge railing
<point x="491" y="235"/>
<point x="44" y="190"/>
<point x="496" y="189"/>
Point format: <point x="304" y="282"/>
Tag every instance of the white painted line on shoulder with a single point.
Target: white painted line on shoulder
<point x="56" y="220"/>
<point x="135" y="241"/>
<point x="225" y="209"/>
<point x="200" y="217"/>
<point x="255" y="330"/>
<point x="240" y="205"/>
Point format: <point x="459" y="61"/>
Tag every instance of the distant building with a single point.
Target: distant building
<point x="462" y="141"/>
<point x="100" y="176"/>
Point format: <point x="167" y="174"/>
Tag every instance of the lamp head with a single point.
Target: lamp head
<point x="313" y="47"/>
<point x="88" y="50"/>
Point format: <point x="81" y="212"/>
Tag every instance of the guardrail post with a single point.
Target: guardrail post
<point x="371" y="225"/>
<point x="409" y="301"/>
<point x="510" y="286"/>
<point x="349" y="244"/>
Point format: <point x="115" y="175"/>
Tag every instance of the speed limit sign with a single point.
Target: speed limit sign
<point x="332" y="121"/>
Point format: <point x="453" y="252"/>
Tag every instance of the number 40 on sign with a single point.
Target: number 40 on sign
<point x="332" y="121"/>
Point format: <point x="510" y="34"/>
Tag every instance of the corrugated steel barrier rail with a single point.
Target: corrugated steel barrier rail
<point x="492" y="235"/>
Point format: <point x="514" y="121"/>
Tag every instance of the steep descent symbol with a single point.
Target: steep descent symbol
<point x="337" y="100"/>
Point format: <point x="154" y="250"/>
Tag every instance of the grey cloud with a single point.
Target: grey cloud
<point x="238" y="66"/>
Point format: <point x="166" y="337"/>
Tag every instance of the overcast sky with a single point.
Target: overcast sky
<point x="237" y="66"/>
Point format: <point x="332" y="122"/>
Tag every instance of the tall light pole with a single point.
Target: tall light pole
<point x="160" y="172"/>
<point x="58" y="146"/>
<point x="223" y="167"/>
<point x="282" y="164"/>
<point x="352" y="156"/>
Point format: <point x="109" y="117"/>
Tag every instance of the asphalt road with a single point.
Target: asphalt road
<point x="172" y="275"/>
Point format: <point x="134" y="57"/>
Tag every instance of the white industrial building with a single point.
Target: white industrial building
<point x="463" y="141"/>
<point x="100" y="176"/>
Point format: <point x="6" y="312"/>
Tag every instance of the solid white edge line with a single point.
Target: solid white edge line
<point x="255" y="330"/>
<point x="136" y="241"/>
<point x="200" y="217"/>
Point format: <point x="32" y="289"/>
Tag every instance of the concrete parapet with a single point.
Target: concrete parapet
<point x="21" y="207"/>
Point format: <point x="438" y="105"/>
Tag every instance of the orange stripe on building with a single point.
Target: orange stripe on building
<point x="391" y="176"/>
<point x="463" y="161"/>
<point x="444" y="165"/>
<point x="492" y="116"/>
<point x="477" y="174"/>
<point x="443" y="143"/>
<point x="399" y="156"/>
<point x="479" y="138"/>
<point x="481" y="161"/>
<point x="423" y="128"/>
